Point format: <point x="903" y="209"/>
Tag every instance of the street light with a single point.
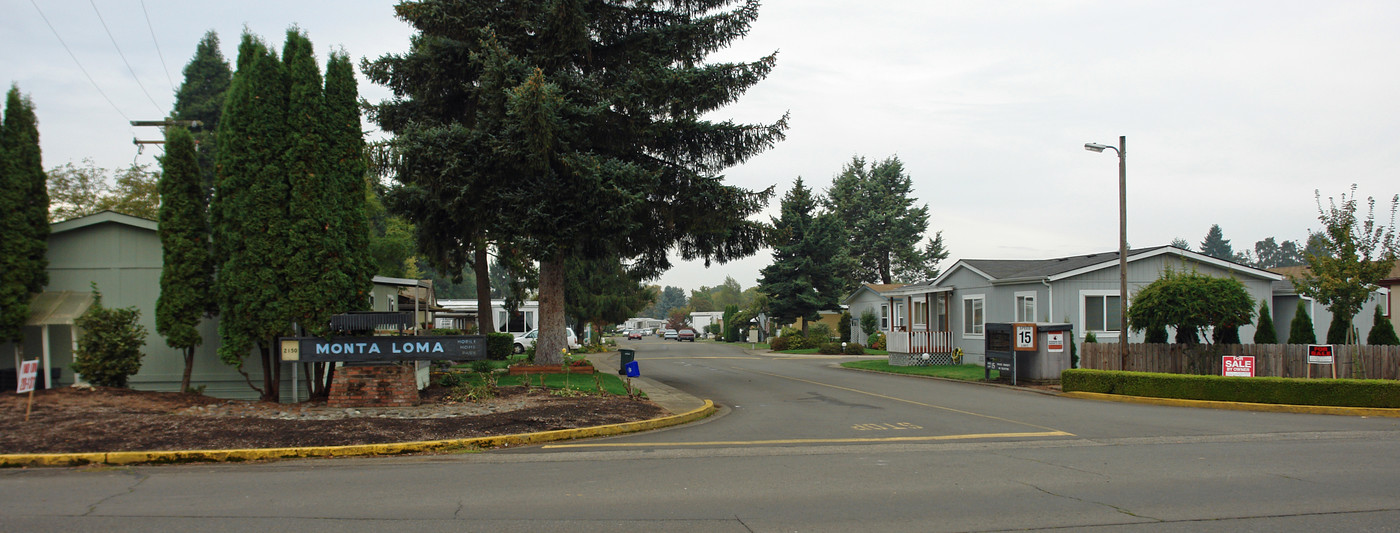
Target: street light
<point x="1122" y="151"/>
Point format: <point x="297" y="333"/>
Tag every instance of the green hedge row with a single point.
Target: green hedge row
<point x="1289" y="391"/>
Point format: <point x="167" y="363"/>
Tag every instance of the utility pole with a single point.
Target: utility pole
<point x="162" y="124"/>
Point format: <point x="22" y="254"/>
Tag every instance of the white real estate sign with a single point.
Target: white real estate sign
<point x="28" y="374"/>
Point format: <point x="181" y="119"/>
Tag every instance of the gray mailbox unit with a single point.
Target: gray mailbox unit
<point x="1028" y="351"/>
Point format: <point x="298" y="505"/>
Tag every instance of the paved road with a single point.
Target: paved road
<point x="800" y="446"/>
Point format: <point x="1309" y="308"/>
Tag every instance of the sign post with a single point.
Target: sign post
<point x="1321" y="354"/>
<point x="28" y="374"/>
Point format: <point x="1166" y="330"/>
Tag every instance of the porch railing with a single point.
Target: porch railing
<point x="920" y="341"/>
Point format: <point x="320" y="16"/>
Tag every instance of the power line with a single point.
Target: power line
<point x="123" y="56"/>
<point x="163" y="68"/>
<point x="79" y="63"/>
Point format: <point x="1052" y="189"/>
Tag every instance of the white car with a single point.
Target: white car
<point x="528" y="339"/>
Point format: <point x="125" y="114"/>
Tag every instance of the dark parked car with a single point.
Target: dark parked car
<point x="686" y="335"/>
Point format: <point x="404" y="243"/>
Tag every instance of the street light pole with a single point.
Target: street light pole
<point x="1122" y="151"/>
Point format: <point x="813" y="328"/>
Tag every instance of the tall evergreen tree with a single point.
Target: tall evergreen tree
<point x="1265" y="333"/>
<point x="347" y="170"/>
<point x="602" y="291"/>
<point x="201" y="97"/>
<point x="249" y="213"/>
<point x="187" y="269"/>
<point x="312" y="213"/>
<point x="24" y="205"/>
<point x="1338" y="331"/>
<point x="1216" y="245"/>
<point x="576" y="129"/>
<point x="803" y="280"/>
<point x="1300" y="330"/>
<point x="884" y="226"/>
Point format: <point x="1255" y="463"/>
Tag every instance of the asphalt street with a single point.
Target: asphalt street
<point x="798" y="445"/>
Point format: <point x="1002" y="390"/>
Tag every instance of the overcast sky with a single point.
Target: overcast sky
<point x="1235" y="112"/>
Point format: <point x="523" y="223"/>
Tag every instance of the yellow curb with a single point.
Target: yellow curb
<point x="258" y="454"/>
<point x="1240" y="406"/>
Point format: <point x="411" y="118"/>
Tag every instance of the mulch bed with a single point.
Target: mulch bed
<point x="100" y="419"/>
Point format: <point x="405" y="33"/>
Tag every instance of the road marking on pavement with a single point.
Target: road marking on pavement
<point x="929" y="438"/>
<point x="877" y="395"/>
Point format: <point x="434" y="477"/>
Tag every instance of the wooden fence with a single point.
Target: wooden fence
<point x="1278" y="360"/>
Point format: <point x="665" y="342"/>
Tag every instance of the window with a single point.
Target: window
<point x="940" y="312"/>
<point x="899" y="317"/>
<point x="974" y="315"/>
<point x="1025" y="306"/>
<point x="921" y="313"/>
<point x="884" y="317"/>
<point x="1101" y="311"/>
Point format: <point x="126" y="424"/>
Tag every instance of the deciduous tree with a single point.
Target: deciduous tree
<point x="1362" y="252"/>
<point x="1190" y="303"/>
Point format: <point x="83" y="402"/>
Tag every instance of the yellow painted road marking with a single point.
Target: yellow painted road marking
<point x="950" y="409"/>
<point x="931" y="438"/>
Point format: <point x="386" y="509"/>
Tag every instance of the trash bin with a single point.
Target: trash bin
<point x="628" y="356"/>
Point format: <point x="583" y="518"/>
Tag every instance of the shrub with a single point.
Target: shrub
<point x="1382" y="331"/>
<point x="819" y="334"/>
<point x="446" y="331"/>
<point x="877" y="341"/>
<point x="845" y="326"/>
<point x="1156" y="335"/>
<point x="830" y="348"/>
<point x="779" y="344"/>
<point x="1337" y="330"/>
<point x="1300" y="330"/>
<point x="109" y="351"/>
<point x="855" y="348"/>
<point x="1265" y="333"/>
<point x="869" y="323"/>
<point x="1089" y="338"/>
<point x="499" y="346"/>
<point x="482" y="366"/>
<point x="1288" y="391"/>
<point x="450" y="379"/>
<point x="1226" y="335"/>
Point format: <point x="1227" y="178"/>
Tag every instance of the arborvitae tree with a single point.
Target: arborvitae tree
<point x="249" y="213"/>
<point x="187" y="269"/>
<point x="802" y="281"/>
<point x="1265" y="333"/>
<point x="574" y="130"/>
<point x="884" y="226"/>
<point x="24" y="205"/>
<point x="845" y="326"/>
<point x="1300" y="330"/>
<point x="1382" y="331"/>
<point x="1226" y="334"/>
<point x="1338" y="329"/>
<point x="201" y="97"/>
<point x="345" y="151"/>
<point x="312" y="213"/>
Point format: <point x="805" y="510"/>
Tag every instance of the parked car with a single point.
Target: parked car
<point x="528" y="339"/>
<point x="669" y="334"/>
<point x="685" y="335"/>
<point x="634" y="334"/>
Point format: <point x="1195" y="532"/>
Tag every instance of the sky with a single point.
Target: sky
<point x="1236" y="113"/>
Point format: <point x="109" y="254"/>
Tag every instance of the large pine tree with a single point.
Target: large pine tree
<point x="885" y="227"/>
<point x="24" y="205"/>
<point x="201" y="97"/>
<point x="803" y="279"/>
<point x="187" y="269"/>
<point x="574" y="129"/>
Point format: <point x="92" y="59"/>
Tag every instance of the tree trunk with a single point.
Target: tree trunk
<point x="271" y="376"/>
<point x="481" y="267"/>
<point x="884" y="265"/>
<point x="189" y="367"/>
<point x="552" y="340"/>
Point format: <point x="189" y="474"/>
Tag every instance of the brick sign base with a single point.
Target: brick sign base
<point x="373" y="386"/>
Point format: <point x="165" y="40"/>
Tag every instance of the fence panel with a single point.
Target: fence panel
<point x="1278" y="360"/>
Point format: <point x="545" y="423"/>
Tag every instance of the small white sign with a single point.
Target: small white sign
<point x="443" y="323"/>
<point x="28" y="374"/>
<point x="1055" y="341"/>
<point x="1025" y="337"/>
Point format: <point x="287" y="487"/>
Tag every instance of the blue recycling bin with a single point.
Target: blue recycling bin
<point x="633" y="370"/>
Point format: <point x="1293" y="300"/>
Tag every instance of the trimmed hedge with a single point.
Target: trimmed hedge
<point x="1287" y="391"/>
<point x="499" y="346"/>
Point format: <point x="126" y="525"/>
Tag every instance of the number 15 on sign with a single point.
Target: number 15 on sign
<point x="1025" y="337"/>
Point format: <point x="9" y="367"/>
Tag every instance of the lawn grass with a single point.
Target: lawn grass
<point x="868" y="351"/>
<point x="610" y="383"/>
<point x="960" y="372"/>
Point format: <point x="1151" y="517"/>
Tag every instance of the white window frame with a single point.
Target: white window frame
<point x="899" y="317"/>
<point x="967" y="320"/>
<point x="1021" y="296"/>
<point x="1084" y="295"/>
<point x="885" y="316"/>
<point x="921" y="318"/>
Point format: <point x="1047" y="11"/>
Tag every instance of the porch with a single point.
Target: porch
<point x="921" y="322"/>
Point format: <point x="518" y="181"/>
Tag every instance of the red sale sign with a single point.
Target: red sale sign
<point x="28" y="374"/>
<point x="1239" y="366"/>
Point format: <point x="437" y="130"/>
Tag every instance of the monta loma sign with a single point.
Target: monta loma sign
<point x="447" y="348"/>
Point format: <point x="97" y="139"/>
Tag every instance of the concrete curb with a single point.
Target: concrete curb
<point x="1239" y="406"/>
<point x="259" y="454"/>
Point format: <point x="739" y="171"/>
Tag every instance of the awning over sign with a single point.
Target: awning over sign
<point x="58" y="308"/>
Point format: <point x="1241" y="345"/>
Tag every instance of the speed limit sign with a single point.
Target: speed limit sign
<point x="1025" y="337"/>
